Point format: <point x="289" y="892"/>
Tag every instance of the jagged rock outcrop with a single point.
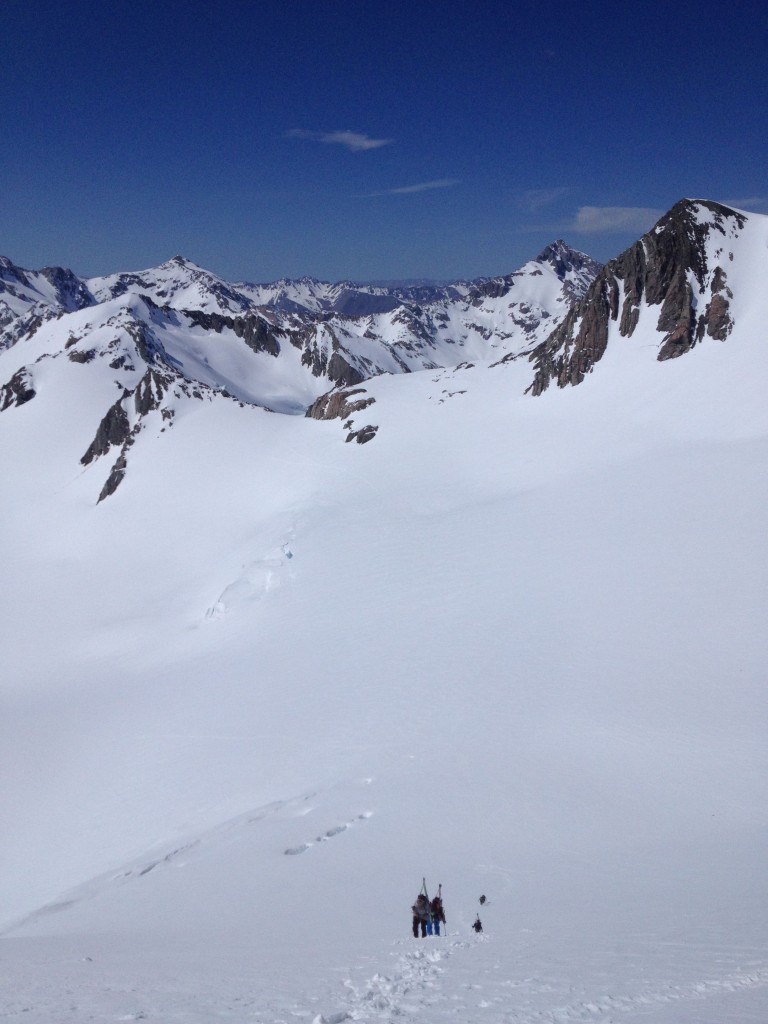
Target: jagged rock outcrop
<point x="157" y="391"/>
<point x="257" y="334"/>
<point x="70" y="292"/>
<point x="115" y="477"/>
<point x="364" y="435"/>
<point x="82" y="355"/>
<point x="113" y="430"/>
<point x="717" y="312"/>
<point x="339" y="404"/>
<point x="18" y="390"/>
<point x="325" y="357"/>
<point x="671" y="267"/>
<point x="149" y="392"/>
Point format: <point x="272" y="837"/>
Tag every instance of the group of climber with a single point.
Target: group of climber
<point x="428" y="914"/>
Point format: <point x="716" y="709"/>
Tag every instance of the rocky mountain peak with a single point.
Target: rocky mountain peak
<point x="179" y="262"/>
<point x="182" y="261"/>
<point x="564" y="258"/>
<point x="679" y="265"/>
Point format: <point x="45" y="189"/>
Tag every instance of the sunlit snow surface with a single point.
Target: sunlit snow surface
<point x="513" y="645"/>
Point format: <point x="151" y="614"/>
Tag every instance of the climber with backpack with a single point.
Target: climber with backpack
<point x="420" y="915"/>
<point x="436" y="912"/>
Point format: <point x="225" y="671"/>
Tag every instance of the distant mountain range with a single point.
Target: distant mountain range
<point x="175" y="332"/>
<point x="291" y="340"/>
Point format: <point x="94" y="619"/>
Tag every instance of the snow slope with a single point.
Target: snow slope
<point x="513" y="644"/>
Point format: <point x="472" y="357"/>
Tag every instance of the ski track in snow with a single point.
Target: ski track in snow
<point x="295" y="850"/>
<point x="416" y="987"/>
<point x="257" y="579"/>
<point x="408" y="989"/>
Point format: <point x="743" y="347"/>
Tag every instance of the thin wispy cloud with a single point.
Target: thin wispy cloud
<point x="404" y="190"/>
<point x="357" y="142"/>
<point x="755" y="204"/>
<point x="539" y="198"/>
<point x="595" y="220"/>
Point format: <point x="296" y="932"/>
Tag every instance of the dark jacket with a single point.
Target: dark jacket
<point x="436" y="909"/>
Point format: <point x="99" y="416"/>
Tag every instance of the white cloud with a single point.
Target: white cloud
<point x="605" y="219"/>
<point x="422" y="186"/>
<point x="357" y="142"/>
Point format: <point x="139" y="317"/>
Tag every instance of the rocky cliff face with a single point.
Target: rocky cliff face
<point x="679" y="266"/>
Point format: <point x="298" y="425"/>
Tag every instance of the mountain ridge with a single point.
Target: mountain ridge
<point x="674" y="265"/>
<point x="338" y="341"/>
<point x="161" y="337"/>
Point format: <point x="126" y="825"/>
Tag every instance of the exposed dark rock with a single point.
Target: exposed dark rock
<point x="148" y="393"/>
<point x="494" y="288"/>
<point x="363" y="435"/>
<point x="83" y="357"/>
<point x="656" y="270"/>
<point x="565" y="260"/>
<point x="18" y="390"/>
<point x="113" y="430"/>
<point x="571" y="350"/>
<point x="336" y="367"/>
<point x="257" y="334"/>
<point x="717" y="317"/>
<point x="71" y="293"/>
<point x="338" y="404"/>
<point x="115" y="477"/>
<point x="340" y="371"/>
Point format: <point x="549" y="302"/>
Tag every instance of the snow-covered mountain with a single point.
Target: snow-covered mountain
<point x="52" y="289"/>
<point x="182" y="284"/>
<point x="418" y="326"/>
<point x="150" y="340"/>
<point x="513" y="646"/>
<point x="178" y="284"/>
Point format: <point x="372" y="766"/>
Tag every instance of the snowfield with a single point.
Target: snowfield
<point x="514" y="645"/>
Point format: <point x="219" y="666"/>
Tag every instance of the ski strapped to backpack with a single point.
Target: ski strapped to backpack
<point x="436" y="916"/>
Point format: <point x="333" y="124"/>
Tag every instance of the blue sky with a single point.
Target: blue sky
<point x="368" y="140"/>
